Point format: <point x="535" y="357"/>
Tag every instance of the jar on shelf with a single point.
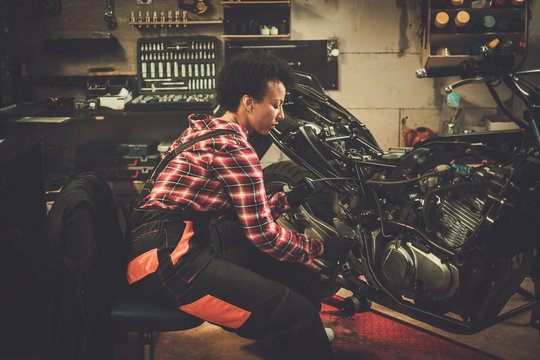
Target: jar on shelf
<point x="440" y="22"/>
<point x="487" y="23"/>
<point x="500" y="3"/>
<point x="492" y="46"/>
<point x="461" y="22"/>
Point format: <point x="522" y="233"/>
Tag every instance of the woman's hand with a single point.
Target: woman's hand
<point x="300" y="192"/>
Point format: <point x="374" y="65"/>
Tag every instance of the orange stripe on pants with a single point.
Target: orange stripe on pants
<point x="183" y="245"/>
<point x="143" y="265"/>
<point x="217" y="312"/>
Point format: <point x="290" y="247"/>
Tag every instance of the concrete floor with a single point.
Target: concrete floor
<point x="513" y="339"/>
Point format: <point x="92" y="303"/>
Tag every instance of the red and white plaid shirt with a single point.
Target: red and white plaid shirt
<point x="223" y="172"/>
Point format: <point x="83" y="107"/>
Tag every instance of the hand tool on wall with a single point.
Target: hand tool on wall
<point x="109" y="15"/>
<point x="176" y="73"/>
<point x="199" y="7"/>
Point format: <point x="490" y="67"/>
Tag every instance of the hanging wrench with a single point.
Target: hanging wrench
<point x="109" y="15"/>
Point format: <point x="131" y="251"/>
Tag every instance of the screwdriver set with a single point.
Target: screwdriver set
<point x="176" y="73"/>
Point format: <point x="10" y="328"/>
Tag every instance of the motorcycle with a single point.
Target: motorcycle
<point x="445" y="230"/>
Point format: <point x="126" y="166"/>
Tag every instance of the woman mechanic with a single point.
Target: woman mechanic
<point x="203" y="236"/>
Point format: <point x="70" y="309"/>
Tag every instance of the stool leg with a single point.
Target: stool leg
<point x="148" y="345"/>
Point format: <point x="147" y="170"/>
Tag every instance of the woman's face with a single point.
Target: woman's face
<point x="266" y="113"/>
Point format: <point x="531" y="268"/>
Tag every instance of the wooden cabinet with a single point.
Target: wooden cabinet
<point x="250" y="20"/>
<point x="450" y="46"/>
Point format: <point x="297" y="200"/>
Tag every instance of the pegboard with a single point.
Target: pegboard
<point x="317" y="57"/>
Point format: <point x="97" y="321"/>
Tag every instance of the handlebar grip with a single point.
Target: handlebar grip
<point x="464" y="69"/>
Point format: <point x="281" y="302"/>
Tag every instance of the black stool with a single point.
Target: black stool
<point x="134" y="314"/>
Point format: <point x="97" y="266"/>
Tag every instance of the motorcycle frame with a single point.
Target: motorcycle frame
<point x="327" y="172"/>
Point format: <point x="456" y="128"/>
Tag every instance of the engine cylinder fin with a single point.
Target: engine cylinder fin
<point x="459" y="220"/>
<point x="460" y="211"/>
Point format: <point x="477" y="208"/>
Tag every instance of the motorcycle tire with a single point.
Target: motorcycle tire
<point x="322" y="202"/>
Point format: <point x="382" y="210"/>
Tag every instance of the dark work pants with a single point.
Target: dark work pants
<point x="284" y="306"/>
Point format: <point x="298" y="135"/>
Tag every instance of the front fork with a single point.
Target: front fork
<point x="314" y="227"/>
<point x="318" y="229"/>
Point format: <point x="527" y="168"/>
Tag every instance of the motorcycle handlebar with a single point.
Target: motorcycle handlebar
<point x="463" y="69"/>
<point x="488" y="65"/>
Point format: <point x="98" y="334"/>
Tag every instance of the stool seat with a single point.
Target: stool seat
<point x="132" y="313"/>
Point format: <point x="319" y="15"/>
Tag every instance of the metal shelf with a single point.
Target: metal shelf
<point x="257" y="37"/>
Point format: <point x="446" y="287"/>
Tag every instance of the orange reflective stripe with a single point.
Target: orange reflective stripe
<point x="143" y="265"/>
<point x="217" y="311"/>
<point x="183" y="245"/>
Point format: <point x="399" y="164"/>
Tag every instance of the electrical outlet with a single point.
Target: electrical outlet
<point x="144" y="2"/>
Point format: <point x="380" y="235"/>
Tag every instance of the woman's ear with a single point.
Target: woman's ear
<point x="248" y="102"/>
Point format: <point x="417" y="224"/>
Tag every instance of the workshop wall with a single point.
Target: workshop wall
<point x="379" y="54"/>
<point x="81" y="39"/>
<point x="378" y="42"/>
<point x="84" y="20"/>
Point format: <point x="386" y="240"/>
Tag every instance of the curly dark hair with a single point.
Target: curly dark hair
<point x="248" y="73"/>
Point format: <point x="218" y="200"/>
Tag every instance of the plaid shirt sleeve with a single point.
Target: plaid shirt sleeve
<point x="237" y="167"/>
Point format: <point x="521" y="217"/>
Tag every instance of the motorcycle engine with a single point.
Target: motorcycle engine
<point x="419" y="274"/>
<point x="416" y="274"/>
<point x="456" y="206"/>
